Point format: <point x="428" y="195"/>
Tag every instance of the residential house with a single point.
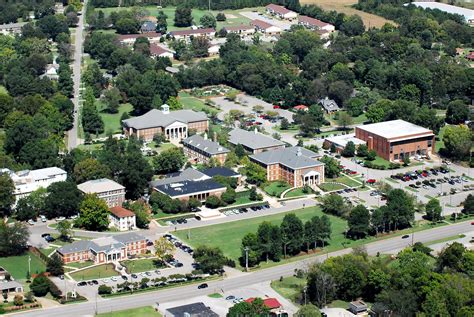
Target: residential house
<point x="28" y="181"/>
<point x="281" y="12"/>
<point x="329" y="105"/>
<point x="147" y="27"/>
<point x="243" y="30"/>
<point x="11" y="28"/>
<point x="213" y="50"/>
<point x="266" y="28"/>
<point x="187" y="34"/>
<point x="358" y="307"/>
<point x="105" y="249"/>
<point x="10" y="287"/>
<point x="254" y="141"/>
<point x="108" y="190"/>
<point x="275" y="307"/>
<point x="129" y="39"/>
<point x="122" y="219"/>
<point x="51" y="72"/>
<point x="295" y="165"/>
<point x="300" y="108"/>
<point x="174" y="125"/>
<point x="396" y="139"/>
<point x="200" y="150"/>
<point x="159" y="51"/>
<point x="187" y="184"/>
<point x="315" y="24"/>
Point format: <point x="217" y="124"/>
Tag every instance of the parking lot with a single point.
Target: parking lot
<point x="282" y="24"/>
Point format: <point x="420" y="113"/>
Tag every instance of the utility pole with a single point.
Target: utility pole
<point x="209" y="5"/>
<point x="246" y="259"/>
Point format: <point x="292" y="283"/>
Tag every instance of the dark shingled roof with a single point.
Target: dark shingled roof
<point x="194" y="310"/>
<point x="220" y="171"/>
<point x="189" y="187"/>
<point x="205" y="145"/>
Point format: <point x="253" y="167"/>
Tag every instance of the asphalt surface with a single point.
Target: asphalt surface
<point x="76" y="69"/>
<point x="151" y="298"/>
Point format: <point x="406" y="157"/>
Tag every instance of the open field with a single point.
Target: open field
<point x="96" y="272"/>
<point x="344" y="6"/>
<point x="17" y="266"/>
<point x="147" y="311"/>
<point x="295" y="193"/>
<point x="233" y="16"/>
<point x="193" y="103"/>
<point x="112" y="122"/>
<point x="138" y="266"/>
<point x="289" y="287"/>
<point x="276" y="188"/>
<point x="329" y="187"/>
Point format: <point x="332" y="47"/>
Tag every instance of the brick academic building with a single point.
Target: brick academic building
<point x="393" y="140"/>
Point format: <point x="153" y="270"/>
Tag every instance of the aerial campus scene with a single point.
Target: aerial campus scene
<point x="236" y="158"/>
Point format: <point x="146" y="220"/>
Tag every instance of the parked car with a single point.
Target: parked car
<point x="45" y="235"/>
<point x="82" y="283"/>
<point x="49" y="239"/>
<point x="405" y="236"/>
<point x="203" y="285"/>
<point x="31" y="222"/>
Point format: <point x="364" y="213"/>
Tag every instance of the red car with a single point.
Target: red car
<point x="276" y="107"/>
<point x="371" y="181"/>
<point x="353" y="172"/>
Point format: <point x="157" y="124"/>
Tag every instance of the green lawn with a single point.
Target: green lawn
<point x="355" y="120"/>
<point x="18" y="265"/>
<point x="344" y="180"/>
<point x="147" y="311"/>
<point x="328" y="187"/>
<point x="439" y="139"/>
<point x="237" y="18"/>
<point x="112" y="122"/>
<point x="137" y="266"/>
<point x="380" y="161"/>
<point x="276" y="188"/>
<point x="80" y="265"/>
<point x="228" y="236"/>
<point x="295" y="193"/>
<point x="289" y="287"/>
<point x="196" y="104"/>
<point x="96" y="272"/>
<point x="162" y="146"/>
<point x="3" y="90"/>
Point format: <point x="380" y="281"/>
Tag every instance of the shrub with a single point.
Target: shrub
<point x="104" y="289"/>
<point x="18" y="300"/>
<point x="213" y="202"/>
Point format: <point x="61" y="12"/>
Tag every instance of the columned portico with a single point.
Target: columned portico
<point x="311" y="178"/>
<point x="176" y="131"/>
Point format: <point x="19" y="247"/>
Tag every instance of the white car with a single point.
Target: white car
<point x="60" y="219"/>
<point x="31" y="222"/>
<point x="114" y="279"/>
<point x="105" y="280"/>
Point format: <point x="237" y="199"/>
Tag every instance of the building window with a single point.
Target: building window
<point x="430" y="143"/>
<point x="391" y="148"/>
<point x="395" y="157"/>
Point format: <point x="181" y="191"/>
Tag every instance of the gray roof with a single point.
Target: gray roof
<point x="128" y="237"/>
<point x="189" y="187"/>
<point x="329" y="104"/>
<point x="99" y="186"/>
<point x="252" y="139"/>
<point x="76" y="246"/>
<point x="189" y="174"/>
<point x="148" y="26"/>
<point x="156" y="118"/>
<point x="194" y="310"/>
<point x="9" y="285"/>
<point x="205" y="145"/>
<point x="292" y="157"/>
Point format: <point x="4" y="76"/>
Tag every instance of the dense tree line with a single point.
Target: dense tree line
<point x="271" y="242"/>
<point x="11" y="11"/>
<point x="412" y="284"/>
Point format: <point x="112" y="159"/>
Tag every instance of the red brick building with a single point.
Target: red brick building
<point x="396" y="139"/>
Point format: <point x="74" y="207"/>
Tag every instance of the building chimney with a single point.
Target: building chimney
<point x="165" y="109"/>
<point x="298" y="152"/>
<point x="214" y="137"/>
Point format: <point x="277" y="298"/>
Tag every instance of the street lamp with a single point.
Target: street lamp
<point x="304" y="291"/>
<point x="246" y="249"/>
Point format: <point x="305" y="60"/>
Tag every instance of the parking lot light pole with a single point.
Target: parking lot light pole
<point x="246" y="259"/>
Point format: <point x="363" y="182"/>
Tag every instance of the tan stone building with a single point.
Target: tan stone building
<point x="396" y="139"/>
<point x="174" y="125"/>
<point x="200" y="150"/>
<point x="295" y="165"/>
<point x="109" y="191"/>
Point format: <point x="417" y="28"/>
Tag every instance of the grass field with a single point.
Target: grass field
<point x="80" y="265"/>
<point x="233" y="16"/>
<point x="345" y="6"/>
<point x="137" y="266"/>
<point x="328" y="187"/>
<point x="18" y="265"/>
<point x="193" y="103"/>
<point x="289" y="287"/>
<point x="135" y="312"/>
<point x="112" y="121"/>
<point x="228" y="236"/>
<point x="344" y="180"/>
<point x="96" y="272"/>
<point x="276" y="188"/>
<point x="295" y="193"/>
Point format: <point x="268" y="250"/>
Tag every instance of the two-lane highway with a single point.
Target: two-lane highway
<point x="172" y="294"/>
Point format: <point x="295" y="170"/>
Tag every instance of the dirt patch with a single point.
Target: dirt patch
<point x="344" y="6"/>
<point x="230" y="16"/>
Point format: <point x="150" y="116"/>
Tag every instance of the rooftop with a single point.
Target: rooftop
<point x="157" y="50"/>
<point x="261" y="24"/>
<point x="468" y="14"/>
<point x="220" y="171"/>
<point x="271" y="303"/>
<point x="6" y="285"/>
<point x="342" y="140"/>
<point x="76" y="246"/>
<point x="157" y="118"/>
<point x="236" y="28"/>
<point x="252" y="139"/>
<point x="99" y="186"/>
<point x="188" y="187"/>
<point x="278" y="9"/>
<point x="395" y="129"/>
<point x="329" y="104"/>
<point x="312" y="21"/>
<point x="192" y="32"/>
<point x="194" y="310"/>
<point x="205" y="145"/>
<point x="101" y="244"/>
<point x="189" y="174"/>
<point x="293" y="157"/>
<point x="39" y="174"/>
<point x="121" y="212"/>
<point x="123" y="37"/>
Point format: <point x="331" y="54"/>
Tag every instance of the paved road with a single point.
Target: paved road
<point x="76" y="68"/>
<point x="139" y="300"/>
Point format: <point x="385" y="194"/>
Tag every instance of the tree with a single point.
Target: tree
<point x="112" y="99"/>
<point x="211" y="260"/>
<point x="6" y="106"/>
<point x="63" y="200"/>
<point x="65" y="230"/>
<point x="255" y="174"/>
<point x="90" y="169"/>
<point x="349" y="150"/>
<point x="208" y="21"/>
<point x="334" y="204"/>
<point x="362" y="150"/>
<point x="433" y="210"/>
<point x="308" y="310"/>
<point x="468" y="205"/>
<point x="312" y="120"/>
<point x="169" y="161"/>
<point x="321" y="287"/>
<point x="239" y="151"/>
<point x="255" y="308"/>
<point x="458" y="141"/>
<point x="55" y="265"/>
<point x="200" y="46"/>
<point x="344" y="120"/>
<point x="7" y="198"/>
<point x="292" y="231"/>
<point x="254" y="195"/>
<point x="371" y="155"/>
<point x="457" y="113"/>
<point x="14" y="238"/>
<point x="228" y="196"/>
<point x="269" y="241"/>
<point x="40" y="285"/>
<point x="221" y="17"/>
<point x="91" y="120"/>
<point x="94" y="214"/>
<point x="183" y="17"/>
<point x="140" y="210"/>
<point x="213" y="202"/>
<point x="331" y="167"/>
<point x="284" y="124"/>
<point x="359" y="222"/>
<point x="18" y="300"/>
<point x="164" y="249"/>
<point x="399" y="209"/>
<point x="104" y="289"/>
<point x="451" y="257"/>
<point x="161" y="23"/>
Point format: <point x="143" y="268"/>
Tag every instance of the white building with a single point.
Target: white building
<point x="28" y="181"/>
<point x="315" y="24"/>
<point x="281" y="12"/>
<point x="468" y="14"/>
<point x="122" y="219"/>
<point x="109" y="191"/>
<point x="266" y="28"/>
